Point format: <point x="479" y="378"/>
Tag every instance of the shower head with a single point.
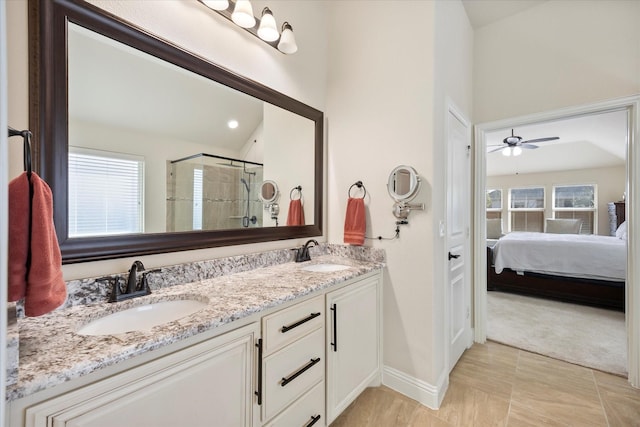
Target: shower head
<point x="246" y="185"/>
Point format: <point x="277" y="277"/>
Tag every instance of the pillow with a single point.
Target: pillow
<point x="562" y="226"/>
<point x="494" y="228"/>
<point x="621" y="232"/>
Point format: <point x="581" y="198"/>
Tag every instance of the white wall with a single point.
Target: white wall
<point x="384" y="110"/>
<point x="191" y="25"/>
<point x="610" y="182"/>
<point x="561" y="53"/>
<point x="287" y="140"/>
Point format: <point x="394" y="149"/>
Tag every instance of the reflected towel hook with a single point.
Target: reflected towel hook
<point x="299" y="188"/>
<point x="26" y="135"/>
<point x="360" y="185"/>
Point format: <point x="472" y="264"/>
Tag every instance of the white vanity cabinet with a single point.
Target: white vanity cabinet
<point x="300" y="365"/>
<point x="353" y="342"/>
<point x="293" y="365"/>
<point x="208" y="384"/>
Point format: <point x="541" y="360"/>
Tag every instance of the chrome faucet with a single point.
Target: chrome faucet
<point x="302" y="253"/>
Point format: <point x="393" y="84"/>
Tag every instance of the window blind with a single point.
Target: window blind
<point x="105" y="193"/>
<point x="197" y="199"/>
<point x="576" y="202"/>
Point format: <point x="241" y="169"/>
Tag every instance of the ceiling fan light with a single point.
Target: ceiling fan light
<point x="268" y="31"/>
<point x="243" y="14"/>
<point x="517" y="151"/>
<point x="506" y="151"/>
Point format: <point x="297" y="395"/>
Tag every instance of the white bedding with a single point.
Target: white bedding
<point x="572" y="255"/>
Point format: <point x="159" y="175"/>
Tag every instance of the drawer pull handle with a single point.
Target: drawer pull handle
<point x="286" y="381"/>
<point x="287" y="328"/>
<point x="258" y="393"/>
<point x="313" y="420"/>
<point x="334" y="344"/>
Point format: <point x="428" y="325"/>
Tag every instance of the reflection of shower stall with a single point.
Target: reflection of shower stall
<point x="208" y="192"/>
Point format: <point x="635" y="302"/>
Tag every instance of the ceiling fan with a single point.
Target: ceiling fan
<point x="515" y="144"/>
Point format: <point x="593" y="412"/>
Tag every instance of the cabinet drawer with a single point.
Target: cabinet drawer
<point x="306" y="411"/>
<point x="286" y="326"/>
<point x="292" y="371"/>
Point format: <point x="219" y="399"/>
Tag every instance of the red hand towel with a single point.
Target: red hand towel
<point x="44" y="288"/>
<point x="18" y="236"/>
<point x="296" y="213"/>
<point x="355" y="223"/>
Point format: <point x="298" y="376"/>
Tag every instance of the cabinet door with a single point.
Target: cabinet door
<point x="209" y="384"/>
<point x="353" y="343"/>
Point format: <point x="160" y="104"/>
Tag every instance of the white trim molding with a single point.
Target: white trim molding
<point x="427" y="394"/>
<point x="4" y="221"/>
<point x="632" y="106"/>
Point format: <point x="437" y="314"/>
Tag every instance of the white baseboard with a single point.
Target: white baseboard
<point x="427" y="394"/>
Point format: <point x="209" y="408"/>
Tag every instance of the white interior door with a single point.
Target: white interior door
<point x="458" y="246"/>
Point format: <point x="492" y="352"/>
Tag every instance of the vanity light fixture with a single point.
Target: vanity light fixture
<point x="243" y="14"/>
<point x="240" y="12"/>
<point x="287" y="42"/>
<point x="268" y="31"/>
<point x="217" y="4"/>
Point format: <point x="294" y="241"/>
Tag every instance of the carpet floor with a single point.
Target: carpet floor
<point x="587" y="336"/>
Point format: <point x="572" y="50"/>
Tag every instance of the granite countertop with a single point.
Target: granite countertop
<point x="51" y="352"/>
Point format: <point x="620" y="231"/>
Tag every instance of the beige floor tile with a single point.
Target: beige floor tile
<point x="577" y="408"/>
<point x="494" y="385"/>
<point x="377" y="406"/>
<point x="520" y="416"/>
<point x="621" y="401"/>
<point x="490" y="367"/>
<point x="554" y="373"/>
<point x="422" y="417"/>
<point x="466" y="405"/>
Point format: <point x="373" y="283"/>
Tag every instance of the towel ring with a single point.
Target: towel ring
<point x="299" y="188"/>
<point x="360" y="185"/>
<point x="26" y="135"/>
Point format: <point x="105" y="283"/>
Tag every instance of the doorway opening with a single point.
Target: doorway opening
<point x="483" y="137"/>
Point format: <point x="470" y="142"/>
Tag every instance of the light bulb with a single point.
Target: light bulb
<point x="268" y="31"/>
<point x="287" y="40"/>
<point x="243" y="14"/>
<point x="216" y="4"/>
<point x="506" y="152"/>
<point x="517" y="151"/>
<point x="232" y="124"/>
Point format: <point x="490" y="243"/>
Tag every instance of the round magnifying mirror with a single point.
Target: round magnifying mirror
<point x="403" y="184"/>
<point x="269" y="192"/>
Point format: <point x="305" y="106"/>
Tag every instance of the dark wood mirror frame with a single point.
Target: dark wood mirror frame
<point x="48" y="122"/>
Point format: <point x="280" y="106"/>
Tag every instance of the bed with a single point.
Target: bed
<point x="584" y="269"/>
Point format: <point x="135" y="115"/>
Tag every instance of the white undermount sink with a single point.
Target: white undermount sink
<point x="142" y="318"/>
<point x="325" y="268"/>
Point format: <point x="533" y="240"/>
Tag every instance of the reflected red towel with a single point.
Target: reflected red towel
<point x="296" y="213"/>
<point x="355" y="223"/>
<point x="43" y="288"/>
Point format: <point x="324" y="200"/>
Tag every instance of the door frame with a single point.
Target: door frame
<point x="632" y="315"/>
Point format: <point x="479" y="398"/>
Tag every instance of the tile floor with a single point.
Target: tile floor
<point x="496" y="385"/>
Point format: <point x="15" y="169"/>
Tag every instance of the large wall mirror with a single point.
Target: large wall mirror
<point x="149" y="148"/>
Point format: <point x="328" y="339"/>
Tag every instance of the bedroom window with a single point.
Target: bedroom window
<point x="526" y="209"/>
<point x="494" y="203"/>
<point x="576" y="202"/>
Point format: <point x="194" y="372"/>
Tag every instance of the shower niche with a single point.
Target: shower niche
<point x="209" y="192"/>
